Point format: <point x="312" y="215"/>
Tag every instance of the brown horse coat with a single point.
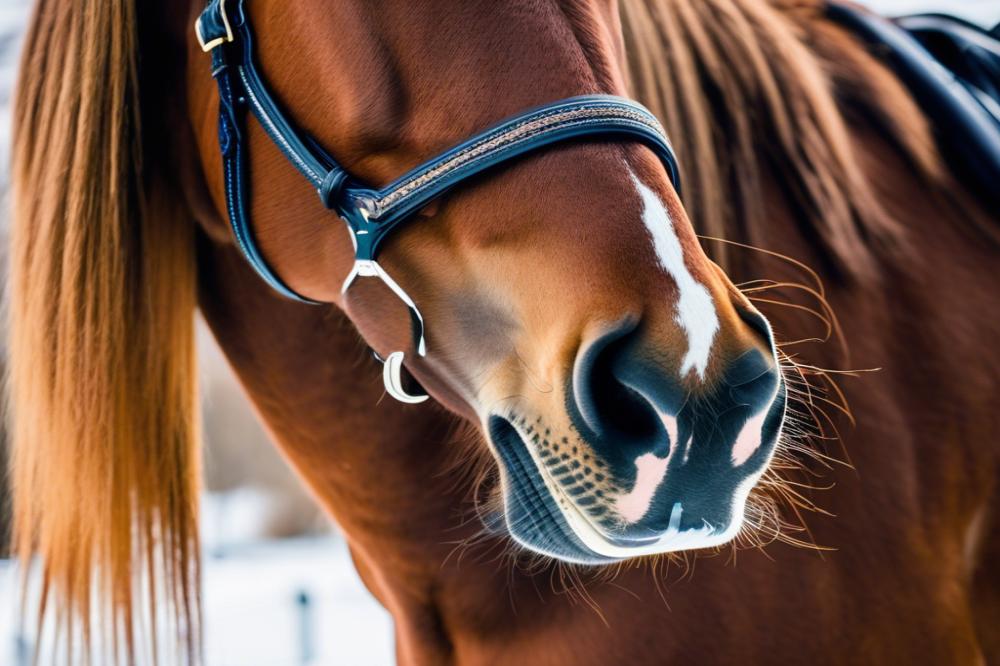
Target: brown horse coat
<point x="791" y="137"/>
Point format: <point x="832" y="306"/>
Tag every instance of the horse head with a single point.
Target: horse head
<point x="629" y="393"/>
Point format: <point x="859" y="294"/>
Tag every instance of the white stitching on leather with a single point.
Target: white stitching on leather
<point x="510" y="136"/>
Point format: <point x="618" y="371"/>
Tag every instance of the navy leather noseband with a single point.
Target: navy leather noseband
<point x="372" y="214"/>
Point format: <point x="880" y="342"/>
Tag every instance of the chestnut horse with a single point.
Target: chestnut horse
<point x="574" y="320"/>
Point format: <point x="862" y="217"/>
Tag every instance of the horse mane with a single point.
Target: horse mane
<point x="104" y="461"/>
<point x="701" y="64"/>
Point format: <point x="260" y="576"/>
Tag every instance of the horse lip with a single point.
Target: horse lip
<point x="514" y="461"/>
<point x="631" y="541"/>
<point x="621" y="541"/>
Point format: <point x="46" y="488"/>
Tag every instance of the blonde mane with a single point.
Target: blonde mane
<point x="102" y="381"/>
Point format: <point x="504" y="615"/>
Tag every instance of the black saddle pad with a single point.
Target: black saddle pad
<point x="952" y="68"/>
<point x="970" y="53"/>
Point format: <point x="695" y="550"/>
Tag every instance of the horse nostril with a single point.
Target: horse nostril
<point x="601" y="395"/>
<point x="757" y="323"/>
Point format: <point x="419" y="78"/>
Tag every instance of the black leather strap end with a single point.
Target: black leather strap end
<point x="214" y="26"/>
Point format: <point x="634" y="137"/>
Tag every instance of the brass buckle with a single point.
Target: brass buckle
<point x="208" y="46"/>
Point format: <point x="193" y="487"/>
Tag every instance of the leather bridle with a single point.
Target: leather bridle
<point x="372" y="214"/>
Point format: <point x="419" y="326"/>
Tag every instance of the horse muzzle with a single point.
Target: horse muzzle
<point x="641" y="465"/>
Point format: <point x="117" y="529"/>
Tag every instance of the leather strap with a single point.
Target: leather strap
<point x="372" y="214"/>
<point x="967" y="131"/>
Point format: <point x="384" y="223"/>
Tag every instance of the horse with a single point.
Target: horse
<point x="590" y="331"/>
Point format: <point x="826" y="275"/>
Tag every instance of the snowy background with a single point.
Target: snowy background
<point x="279" y="586"/>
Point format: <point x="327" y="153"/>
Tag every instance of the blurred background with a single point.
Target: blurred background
<point x="279" y="586"/>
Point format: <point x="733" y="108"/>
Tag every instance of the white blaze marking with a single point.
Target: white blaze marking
<point x="695" y="309"/>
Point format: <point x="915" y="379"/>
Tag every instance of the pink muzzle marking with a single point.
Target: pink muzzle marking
<point x="650" y="471"/>
<point x="749" y="439"/>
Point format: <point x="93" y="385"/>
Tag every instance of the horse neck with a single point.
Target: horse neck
<point x="396" y="479"/>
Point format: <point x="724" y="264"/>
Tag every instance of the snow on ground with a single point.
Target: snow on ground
<point x="254" y="615"/>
